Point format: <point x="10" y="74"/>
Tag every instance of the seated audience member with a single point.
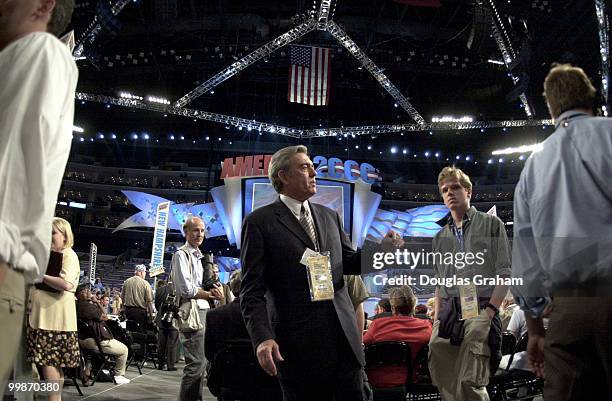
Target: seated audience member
<point x="518" y="327"/>
<point x="401" y="326"/>
<point x="508" y="307"/>
<point x="90" y="312"/>
<point x="430" y="307"/>
<point x="117" y="303"/>
<point x="382" y="309"/>
<point x="420" y="311"/>
<point x="105" y="304"/>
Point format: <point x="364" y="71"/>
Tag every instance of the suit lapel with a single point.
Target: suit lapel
<point x="286" y="218"/>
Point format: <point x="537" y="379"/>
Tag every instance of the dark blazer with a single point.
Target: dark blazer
<point x="223" y="324"/>
<point x="315" y="338"/>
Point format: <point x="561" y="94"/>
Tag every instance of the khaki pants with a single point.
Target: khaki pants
<point x="113" y="347"/>
<point x="578" y="350"/>
<point x="12" y="309"/>
<point x="461" y="373"/>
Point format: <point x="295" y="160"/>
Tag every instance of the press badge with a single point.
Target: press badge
<point x="469" y="301"/>
<point x="320" y="277"/>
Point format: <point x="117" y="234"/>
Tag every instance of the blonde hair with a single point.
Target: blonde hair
<point x="63" y="227"/>
<point x="402" y="300"/>
<point x="451" y="172"/>
<point x="281" y="161"/>
<point x="567" y="87"/>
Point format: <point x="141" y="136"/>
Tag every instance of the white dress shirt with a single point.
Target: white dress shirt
<point x="295" y="205"/>
<point x="39" y="79"/>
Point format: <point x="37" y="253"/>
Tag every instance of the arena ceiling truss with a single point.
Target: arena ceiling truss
<point x="320" y="19"/>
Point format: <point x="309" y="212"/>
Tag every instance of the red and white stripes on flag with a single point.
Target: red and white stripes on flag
<point x="309" y="75"/>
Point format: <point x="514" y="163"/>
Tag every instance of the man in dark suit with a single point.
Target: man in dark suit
<point x="313" y="346"/>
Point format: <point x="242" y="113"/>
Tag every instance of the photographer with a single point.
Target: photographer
<point x="189" y="277"/>
<point x="228" y="296"/>
<point x="167" y="336"/>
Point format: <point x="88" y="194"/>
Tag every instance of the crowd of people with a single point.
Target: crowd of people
<point x="298" y="299"/>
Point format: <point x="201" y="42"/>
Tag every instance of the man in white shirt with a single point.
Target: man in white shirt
<point x="37" y="97"/>
<point x="187" y="277"/>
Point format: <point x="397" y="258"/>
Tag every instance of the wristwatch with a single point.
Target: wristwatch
<point x="490" y="305"/>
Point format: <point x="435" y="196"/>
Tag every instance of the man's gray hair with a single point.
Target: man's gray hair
<point x="281" y="161"/>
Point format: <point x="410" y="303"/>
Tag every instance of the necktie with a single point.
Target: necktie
<point x="308" y="225"/>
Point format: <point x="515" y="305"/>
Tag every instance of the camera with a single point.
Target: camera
<point x="209" y="279"/>
<point x="169" y="311"/>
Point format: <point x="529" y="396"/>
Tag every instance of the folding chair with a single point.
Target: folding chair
<point x="505" y="386"/>
<point x="124" y="336"/>
<point x="421" y="388"/>
<point x="147" y="343"/>
<point x="388" y="354"/>
<point x="96" y="356"/>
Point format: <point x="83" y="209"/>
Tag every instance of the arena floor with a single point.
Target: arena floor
<point x="152" y="385"/>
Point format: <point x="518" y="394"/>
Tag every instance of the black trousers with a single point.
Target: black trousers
<point x="344" y="386"/>
<point x="167" y="347"/>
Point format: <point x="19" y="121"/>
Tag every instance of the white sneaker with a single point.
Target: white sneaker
<point x="122" y="380"/>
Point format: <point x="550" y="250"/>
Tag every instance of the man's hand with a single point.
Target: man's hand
<point x="392" y="241"/>
<point x="217" y="292"/>
<point x="535" y="354"/>
<point x="267" y="354"/>
<point x="3" y="269"/>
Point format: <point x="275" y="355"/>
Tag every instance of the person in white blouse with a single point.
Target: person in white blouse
<point x="36" y="118"/>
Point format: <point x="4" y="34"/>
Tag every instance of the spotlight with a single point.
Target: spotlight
<point x="113" y="136"/>
<point x="457" y="157"/>
<point x="82" y="139"/>
<point x="426" y="154"/>
<point x="145" y="136"/>
<point x="134" y="136"/>
<point x="437" y="154"/>
<point x="172" y="137"/>
<point x="100" y="135"/>
<point x="490" y="161"/>
<point x="394" y="150"/>
<point x="501" y="160"/>
<point x="521" y="157"/>
<point x="182" y="138"/>
<point x="468" y="158"/>
<point x="369" y="147"/>
<point x="405" y="151"/>
<point x="207" y="138"/>
<point x="76" y="128"/>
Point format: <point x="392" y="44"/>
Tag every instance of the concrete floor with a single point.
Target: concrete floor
<point x="153" y="385"/>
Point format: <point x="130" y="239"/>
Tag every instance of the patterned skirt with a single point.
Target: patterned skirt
<point x="53" y="348"/>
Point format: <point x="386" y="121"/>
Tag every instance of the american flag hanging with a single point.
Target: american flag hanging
<point x="309" y="75"/>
